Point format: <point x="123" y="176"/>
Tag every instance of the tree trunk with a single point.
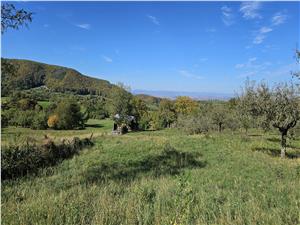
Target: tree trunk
<point x="220" y="127"/>
<point x="283" y="143"/>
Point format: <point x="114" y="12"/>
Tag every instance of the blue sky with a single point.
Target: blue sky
<point x="175" y="46"/>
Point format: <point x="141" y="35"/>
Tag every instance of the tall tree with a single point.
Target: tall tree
<point x="120" y="103"/>
<point x="185" y="105"/>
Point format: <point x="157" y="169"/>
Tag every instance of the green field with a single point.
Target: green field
<point x="161" y="177"/>
<point x="93" y="126"/>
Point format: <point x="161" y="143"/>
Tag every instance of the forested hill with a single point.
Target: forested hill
<point x="25" y="74"/>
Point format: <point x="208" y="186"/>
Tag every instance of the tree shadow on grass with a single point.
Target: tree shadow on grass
<point x="94" y="125"/>
<point x="273" y="139"/>
<point x="169" y="162"/>
<point x="274" y="152"/>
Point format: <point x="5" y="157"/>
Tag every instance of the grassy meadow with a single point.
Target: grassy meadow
<point x="160" y="177"/>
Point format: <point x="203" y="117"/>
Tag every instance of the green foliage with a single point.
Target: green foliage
<point x="4" y="120"/>
<point x="219" y="116"/>
<point x="26" y="104"/>
<point x="194" y="124"/>
<point x="96" y="108"/>
<point x="128" y="180"/>
<point x="166" y="113"/>
<point x="120" y="104"/>
<point x="19" y="160"/>
<point x="185" y="105"/>
<point x="25" y="74"/>
<point x="69" y="115"/>
<point x="39" y="121"/>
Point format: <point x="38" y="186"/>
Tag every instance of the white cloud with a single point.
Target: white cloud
<point x="259" y="39"/>
<point x="264" y="30"/>
<point x="249" y="64"/>
<point x="252" y="67"/>
<point x="227" y="15"/>
<point x="107" y="59"/>
<point x="278" y="18"/>
<point x="188" y="74"/>
<point x="85" y="26"/>
<point x="250" y="10"/>
<point x="239" y="66"/>
<point x="153" y="19"/>
<point x="261" y="35"/>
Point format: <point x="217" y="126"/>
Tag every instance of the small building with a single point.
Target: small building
<point x="124" y="125"/>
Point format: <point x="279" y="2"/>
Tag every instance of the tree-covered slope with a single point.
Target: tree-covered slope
<point x="25" y="74"/>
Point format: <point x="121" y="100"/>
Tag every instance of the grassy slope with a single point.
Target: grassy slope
<point x="128" y="180"/>
<point x="97" y="127"/>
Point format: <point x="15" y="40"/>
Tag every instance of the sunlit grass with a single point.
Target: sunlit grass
<point x="130" y="179"/>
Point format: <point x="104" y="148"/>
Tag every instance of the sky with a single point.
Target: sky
<point x="173" y="46"/>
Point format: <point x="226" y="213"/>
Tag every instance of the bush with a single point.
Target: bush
<point x="4" y="121"/>
<point x="24" y="118"/>
<point x="39" y="121"/>
<point x="52" y="121"/>
<point x="194" y="124"/>
<point x="28" y="158"/>
<point x="67" y="115"/>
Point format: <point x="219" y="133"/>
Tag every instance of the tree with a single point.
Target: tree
<point x="166" y="112"/>
<point x="140" y="112"/>
<point x="283" y="112"/>
<point x="185" y="105"/>
<point x="277" y="107"/>
<point x="120" y="104"/>
<point x="297" y="56"/>
<point x="67" y="115"/>
<point x="247" y="106"/>
<point x="219" y="116"/>
<point x="13" y="18"/>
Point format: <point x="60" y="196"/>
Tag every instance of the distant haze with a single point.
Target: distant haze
<point x="194" y="95"/>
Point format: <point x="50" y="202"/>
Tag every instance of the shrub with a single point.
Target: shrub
<point x="28" y="158"/>
<point x="26" y="104"/>
<point x="39" y="121"/>
<point x="52" y="121"/>
<point x="69" y="116"/>
<point x="194" y="124"/>
<point x="24" y="118"/>
<point x="4" y="121"/>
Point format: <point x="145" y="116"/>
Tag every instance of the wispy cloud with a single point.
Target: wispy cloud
<point x="211" y="30"/>
<point x="188" y="74"/>
<point x="227" y="15"/>
<point x="278" y="18"/>
<point x="261" y="34"/>
<point x="107" y="59"/>
<point x="153" y="19"/>
<point x="250" y="10"/>
<point x="203" y="59"/>
<point x="248" y="64"/>
<point x="85" y="26"/>
<point x="264" y="30"/>
<point x="252" y="67"/>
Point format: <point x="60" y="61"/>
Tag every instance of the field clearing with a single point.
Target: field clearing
<point x="163" y="177"/>
<point x="17" y="134"/>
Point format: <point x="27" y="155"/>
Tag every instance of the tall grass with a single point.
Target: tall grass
<point x="162" y="177"/>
